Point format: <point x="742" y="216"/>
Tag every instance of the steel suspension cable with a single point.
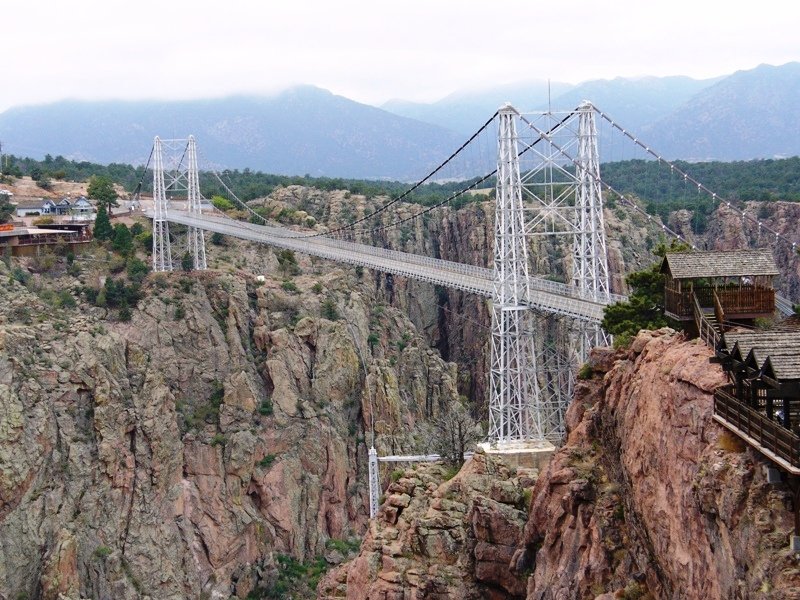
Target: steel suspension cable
<point x="406" y="193"/>
<point x="465" y="190"/>
<point x="138" y="189"/>
<point x="409" y="191"/>
<point x="627" y="201"/>
<point x="700" y="186"/>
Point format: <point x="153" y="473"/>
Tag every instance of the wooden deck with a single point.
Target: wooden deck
<point x="765" y="435"/>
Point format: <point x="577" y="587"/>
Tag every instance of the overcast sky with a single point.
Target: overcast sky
<point x="372" y="51"/>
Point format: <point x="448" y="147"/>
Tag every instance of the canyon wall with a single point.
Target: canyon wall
<point x="648" y="498"/>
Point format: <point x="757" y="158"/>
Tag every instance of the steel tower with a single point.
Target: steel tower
<point x="514" y="389"/>
<point x="162" y="253"/>
<point x="590" y="258"/>
<point x="195" y="238"/>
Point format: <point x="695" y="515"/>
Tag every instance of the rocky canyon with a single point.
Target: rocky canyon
<point x="214" y="445"/>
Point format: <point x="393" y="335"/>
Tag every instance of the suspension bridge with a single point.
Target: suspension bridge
<point x="559" y="195"/>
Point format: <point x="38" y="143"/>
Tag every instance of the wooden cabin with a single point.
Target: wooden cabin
<point x="762" y="403"/>
<point x="736" y="285"/>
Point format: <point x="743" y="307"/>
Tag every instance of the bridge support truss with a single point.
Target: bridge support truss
<point x="196" y="240"/>
<point x="514" y="389"/>
<point x="590" y="257"/>
<point x="558" y="196"/>
<point x="176" y="176"/>
<point x="162" y="251"/>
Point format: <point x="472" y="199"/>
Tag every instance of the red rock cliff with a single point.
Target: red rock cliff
<point x="649" y="496"/>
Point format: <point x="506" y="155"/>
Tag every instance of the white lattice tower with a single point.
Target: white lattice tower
<point x="374" y="483"/>
<point x="590" y="259"/>
<point x="162" y="253"/>
<point x="196" y="244"/>
<point x="513" y="387"/>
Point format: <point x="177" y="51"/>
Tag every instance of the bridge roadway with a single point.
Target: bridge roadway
<point x="547" y="296"/>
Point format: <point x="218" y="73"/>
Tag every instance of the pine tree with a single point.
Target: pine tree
<point x="102" y="225"/>
<point x="123" y="241"/>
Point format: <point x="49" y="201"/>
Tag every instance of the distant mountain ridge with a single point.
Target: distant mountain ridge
<point x="303" y="130"/>
<point x="307" y="130"/>
<point x="749" y="114"/>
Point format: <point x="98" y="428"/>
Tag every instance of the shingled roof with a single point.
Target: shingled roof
<point x="783" y="366"/>
<point x="768" y="341"/>
<point x="734" y="263"/>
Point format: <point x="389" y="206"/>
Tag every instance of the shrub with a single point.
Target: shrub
<point x="372" y="339"/>
<point x="289" y="286"/>
<point x="287" y="262"/>
<point x="20" y="275"/>
<point x="221" y="203"/>
<point x="187" y="262"/>
<point x="125" y="314"/>
<point x="180" y="313"/>
<point x="328" y="309"/>
<point x="102" y="224"/>
<point x="65" y="299"/>
<point x="267" y="461"/>
<point x="345" y="546"/>
<point x="585" y="371"/>
<point x="102" y="551"/>
<point x="218" y="440"/>
<point x="266" y="407"/>
<point x="123" y="241"/>
<point x="137" y="270"/>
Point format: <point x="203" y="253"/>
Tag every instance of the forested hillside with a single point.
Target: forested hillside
<point x="761" y="180"/>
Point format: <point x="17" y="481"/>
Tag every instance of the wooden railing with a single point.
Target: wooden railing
<point x="744" y="299"/>
<point x="705" y="328"/>
<point x="767" y="433"/>
<point x="719" y="312"/>
<point x="678" y="303"/>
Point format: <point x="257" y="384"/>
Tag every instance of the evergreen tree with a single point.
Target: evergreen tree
<point x="102" y="225"/>
<point x="187" y="262"/>
<point x="123" y="241"/>
<point x="101" y="188"/>
<point x="645" y="306"/>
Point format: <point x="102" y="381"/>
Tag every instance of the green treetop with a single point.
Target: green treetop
<point x="102" y="190"/>
<point x="102" y="225"/>
<point x="645" y="306"/>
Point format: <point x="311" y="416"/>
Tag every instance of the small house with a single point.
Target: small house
<point x="30" y="208"/>
<point x="63" y="206"/>
<point x="735" y="285"/>
<point x="82" y="209"/>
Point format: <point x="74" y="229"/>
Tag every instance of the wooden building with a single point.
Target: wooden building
<point x="762" y="402"/>
<point x="29" y="241"/>
<point x="735" y="286"/>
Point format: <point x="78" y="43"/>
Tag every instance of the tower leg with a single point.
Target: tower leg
<point x="197" y="242"/>
<point x="162" y="251"/>
<point x="374" y="483"/>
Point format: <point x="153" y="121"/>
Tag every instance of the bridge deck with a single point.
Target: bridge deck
<point x="548" y="296"/>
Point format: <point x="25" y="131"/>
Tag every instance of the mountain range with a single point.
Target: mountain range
<point x="307" y="130"/>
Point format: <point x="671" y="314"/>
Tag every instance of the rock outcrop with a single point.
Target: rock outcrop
<point x="180" y="454"/>
<point x="438" y="538"/>
<point x="650" y="496"/>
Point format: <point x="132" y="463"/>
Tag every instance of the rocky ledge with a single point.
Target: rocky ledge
<point x="648" y="498"/>
<point x="441" y="538"/>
